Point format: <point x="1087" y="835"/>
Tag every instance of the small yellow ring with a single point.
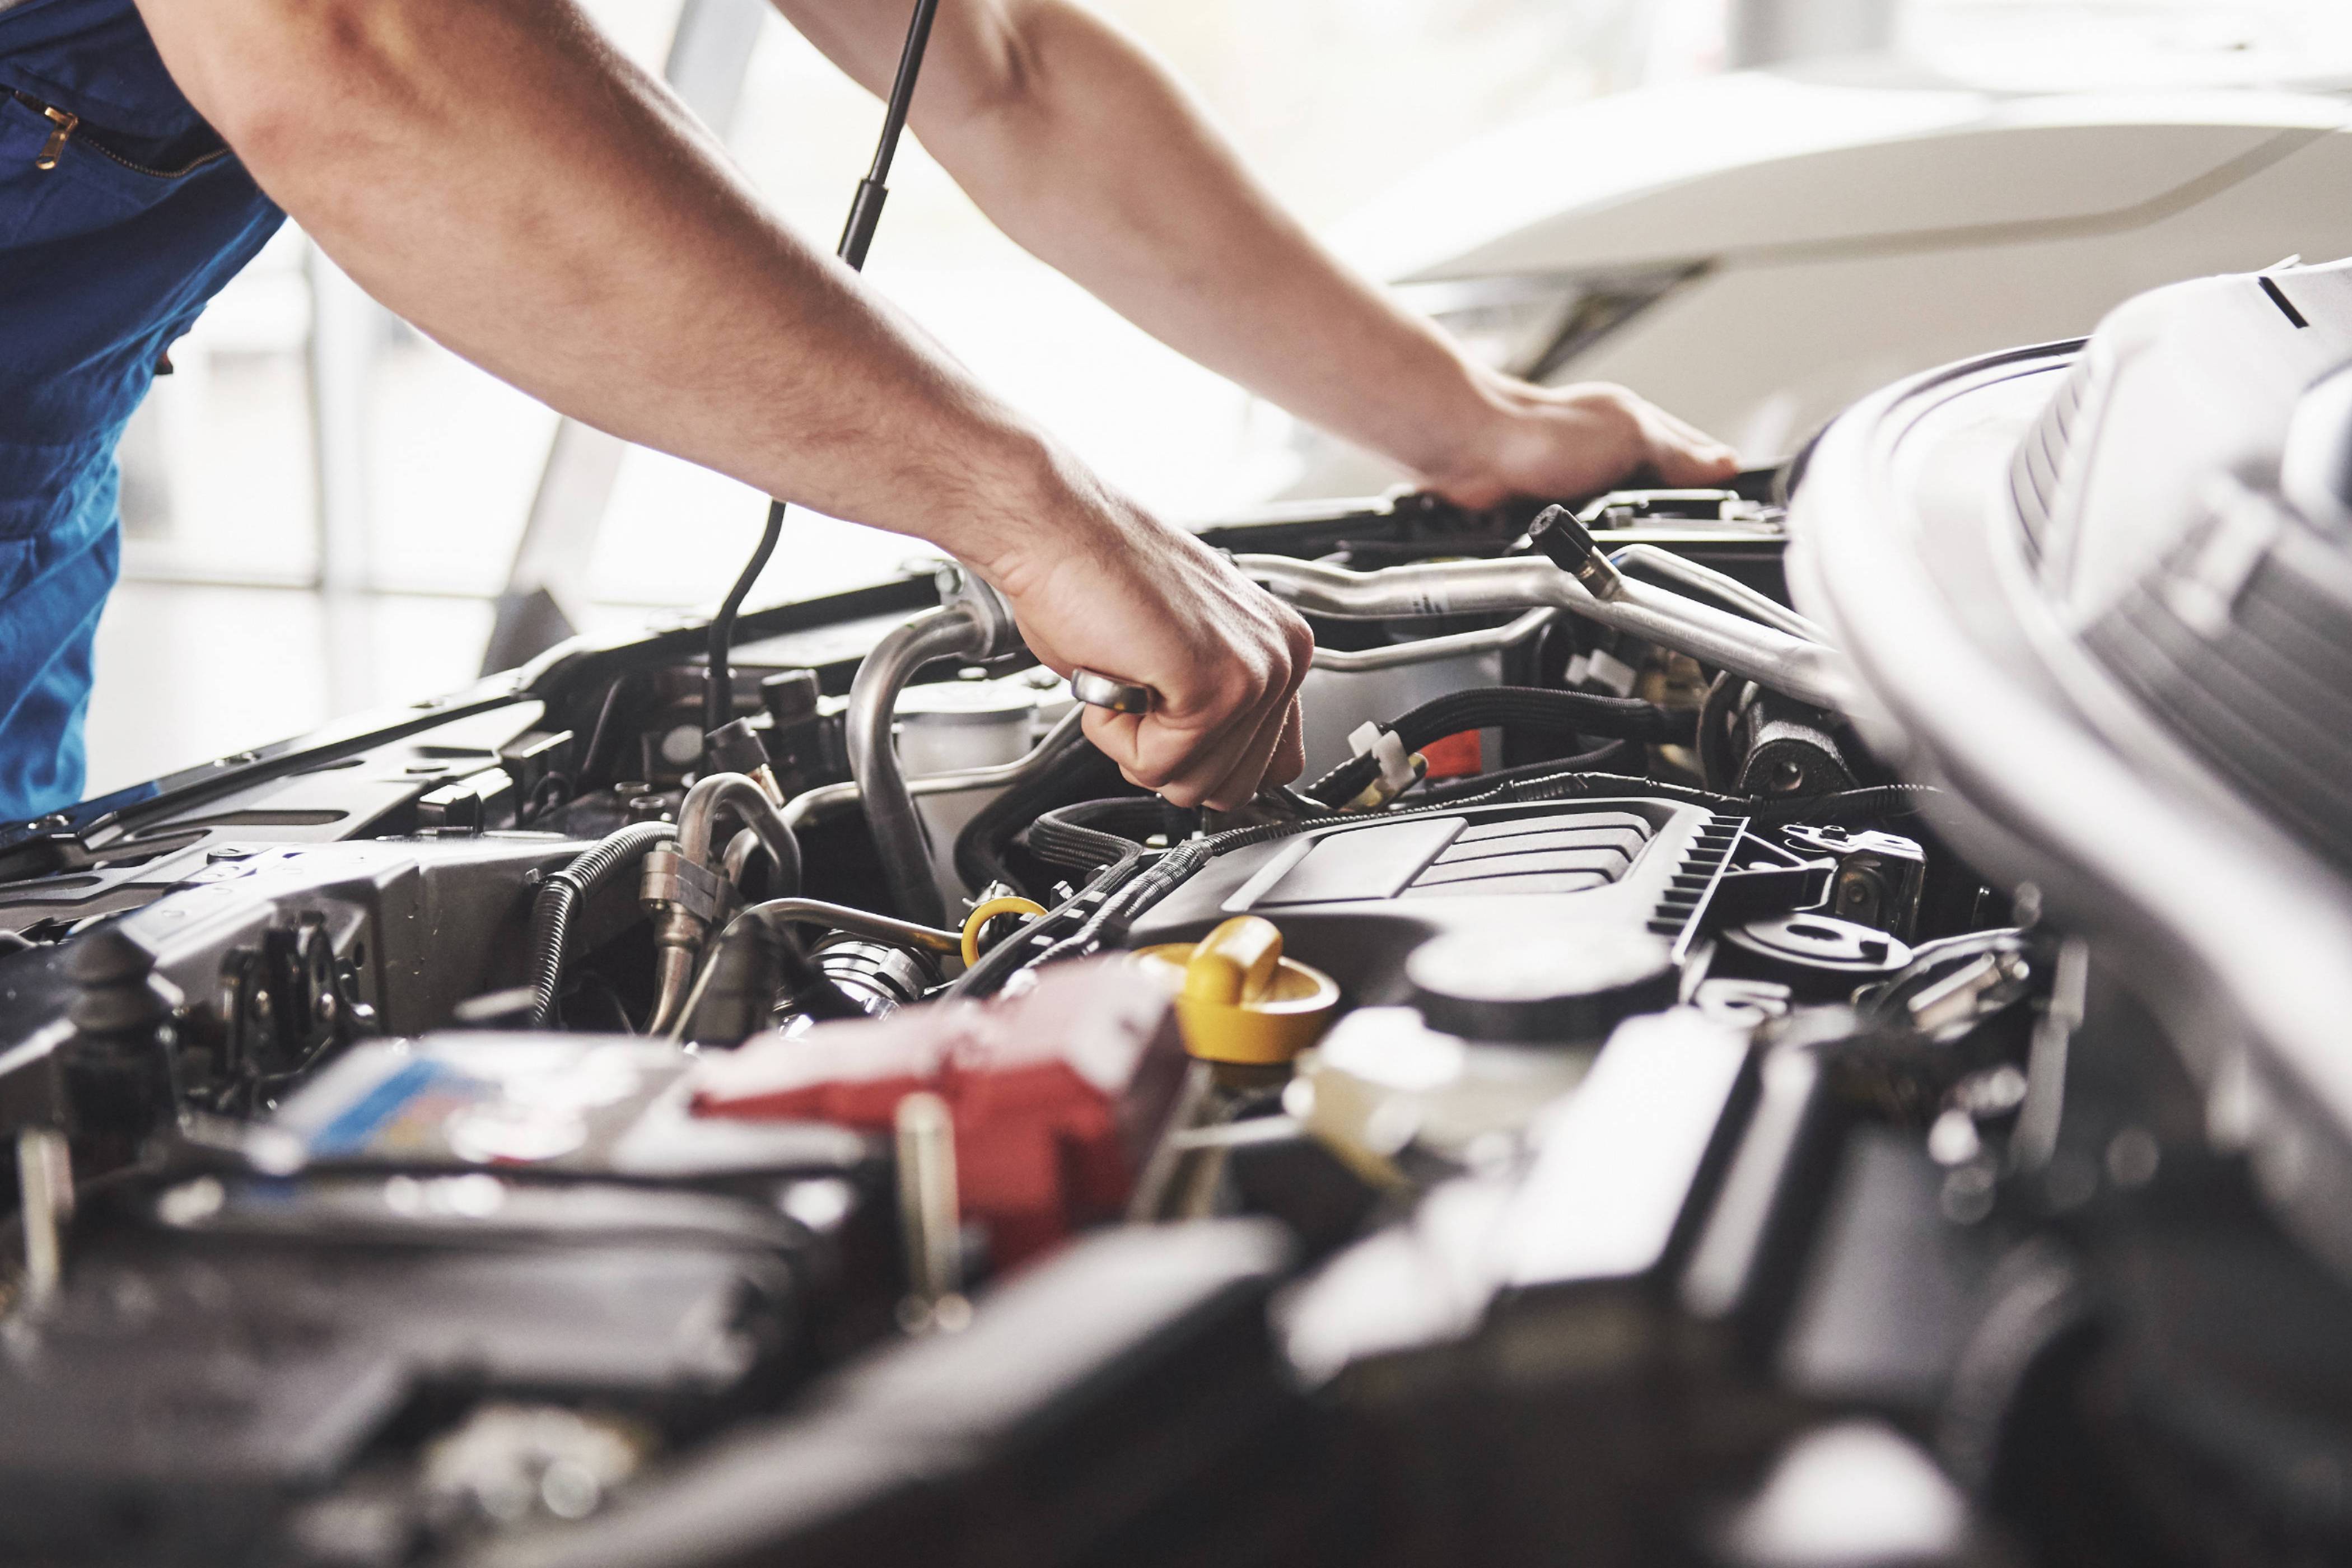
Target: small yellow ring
<point x="988" y="911"/>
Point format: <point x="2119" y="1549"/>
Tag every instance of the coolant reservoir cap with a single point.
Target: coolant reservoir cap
<point x="1561" y="986"/>
<point x="1238" y="999"/>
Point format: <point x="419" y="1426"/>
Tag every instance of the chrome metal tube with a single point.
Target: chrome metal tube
<point x="1722" y="587"/>
<point x="699" y="815"/>
<point x="740" y="850"/>
<point x="672" y="972"/>
<point x="950" y="632"/>
<point x="45" y="1198"/>
<point x="1808" y="671"/>
<point x="832" y="917"/>
<point x="677" y="933"/>
<point x="1454" y="645"/>
<point x="865" y="922"/>
<point x="928" y="1215"/>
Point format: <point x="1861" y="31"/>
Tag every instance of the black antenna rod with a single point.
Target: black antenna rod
<point x="857" y="234"/>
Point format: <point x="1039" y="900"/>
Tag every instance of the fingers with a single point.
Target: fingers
<point x="1290" y="751"/>
<point x="1685" y="455"/>
<point x="1240" y="782"/>
<point x="1187" y="758"/>
<point x="1215" y="750"/>
<point x="1151" y="604"/>
<point x="1224" y="771"/>
<point x="1279" y="719"/>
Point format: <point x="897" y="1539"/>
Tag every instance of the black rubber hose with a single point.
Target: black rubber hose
<point x="550" y="910"/>
<point x="718" y="680"/>
<point x="1081" y="772"/>
<point x="1609" y="755"/>
<point x="1095" y="831"/>
<point x="1508" y="708"/>
<point x="755" y="960"/>
<point x="745" y="976"/>
<point x="1843" y="806"/>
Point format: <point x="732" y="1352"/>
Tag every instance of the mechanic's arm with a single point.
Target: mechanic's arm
<point x="1082" y="147"/>
<point x="496" y="172"/>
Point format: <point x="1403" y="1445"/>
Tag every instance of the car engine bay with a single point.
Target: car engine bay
<point x="1616" y="1106"/>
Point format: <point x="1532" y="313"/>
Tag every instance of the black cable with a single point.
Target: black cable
<point x="718" y="684"/>
<point x="551" y="909"/>
<point x="1081" y="772"/>
<point x="1017" y="952"/>
<point x="857" y="234"/>
<point x="1511" y="706"/>
<point x="1608" y="756"/>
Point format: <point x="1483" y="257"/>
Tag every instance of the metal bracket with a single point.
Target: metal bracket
<point x="671" y="878"/>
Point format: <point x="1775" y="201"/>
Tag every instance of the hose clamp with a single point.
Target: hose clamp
<point x="672" y="879"/>
<point x="961" y="588"/>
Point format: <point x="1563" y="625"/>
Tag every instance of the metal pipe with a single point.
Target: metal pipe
<point x="1454" y="645"/>
<point x="45" y="1199"/>
<point x="672" y="972"/>
<point x="697" y="815"/>
<point x="677" y="932"/>
<point x="865" y="922"/>
<point x="1722" y="587"/>
<point x="832" y="917"/>
<point x="950" y="632"/>
<point x="1808" y="671"/>
<point x="928" y="1217"/>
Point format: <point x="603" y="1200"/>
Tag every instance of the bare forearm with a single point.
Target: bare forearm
<point x="1103" y="165"/>
<point x="1082" y="147"/>
<point x="494" y="171"/>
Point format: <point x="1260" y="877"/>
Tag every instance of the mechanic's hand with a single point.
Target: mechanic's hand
<point x="1577" y="440"/>
<point x="1134" y="599"/>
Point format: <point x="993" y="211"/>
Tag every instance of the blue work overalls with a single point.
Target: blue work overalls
<point x="121" y="213"/>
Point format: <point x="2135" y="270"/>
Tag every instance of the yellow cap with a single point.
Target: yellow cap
<point x="1238" y="999"/>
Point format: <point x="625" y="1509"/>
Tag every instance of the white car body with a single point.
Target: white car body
<point x="1835" y="238"/>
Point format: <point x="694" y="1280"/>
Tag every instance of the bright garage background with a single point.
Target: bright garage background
<point x="320" y="505"/>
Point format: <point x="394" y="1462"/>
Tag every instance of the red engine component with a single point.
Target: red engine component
<point x="1057" y="1091"/>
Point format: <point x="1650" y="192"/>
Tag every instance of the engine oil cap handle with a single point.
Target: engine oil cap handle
<point x="1237" y="999"/>
<point x="1102" y="691"/>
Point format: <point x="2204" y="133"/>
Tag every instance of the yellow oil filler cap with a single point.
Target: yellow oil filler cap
<point x="1238" y="999"/>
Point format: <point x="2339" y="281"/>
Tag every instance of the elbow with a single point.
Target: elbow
<point x="280" y="79"/>
<point x="1000" y="77"/>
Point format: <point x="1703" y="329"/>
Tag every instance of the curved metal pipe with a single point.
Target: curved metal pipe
<point x="864" y="923"/>
<point x="959" y="630"/>
<point x="1454" y="645"/>
<point x="672" y="972"/>
<point x="1805" y="670"/>
<point x="677" y="933"/>
<point x="816" y="912"/>
<point x="699" y="815"/>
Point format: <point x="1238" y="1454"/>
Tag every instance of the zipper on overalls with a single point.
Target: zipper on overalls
<point x="64" y="123"/>
<point x="52" y="149"/>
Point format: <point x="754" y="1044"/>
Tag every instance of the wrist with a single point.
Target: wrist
<point x="1474" y="437"/>
<point x="1029" y="506"/>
